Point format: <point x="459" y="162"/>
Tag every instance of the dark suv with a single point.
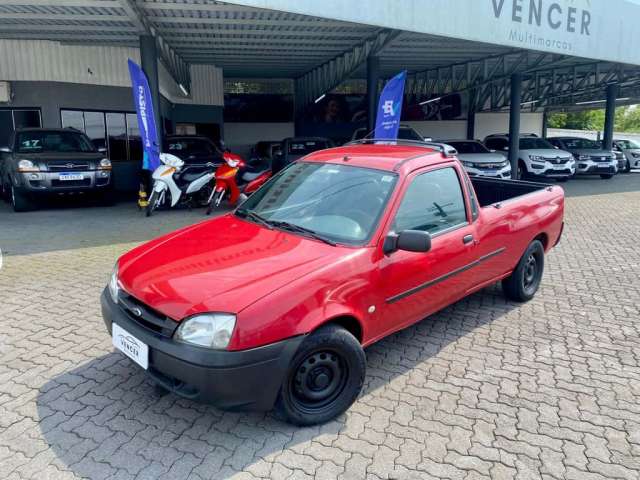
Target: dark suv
<point x="41" y="161"/>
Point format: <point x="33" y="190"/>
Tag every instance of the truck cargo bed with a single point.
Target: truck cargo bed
<point x="494" y="190"/>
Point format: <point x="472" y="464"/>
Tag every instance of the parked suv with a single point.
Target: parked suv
<point x="537" y="157"/>
<point x="41" y="161"/>
<point x="591" y="158"/>
<point x="479" y="160"/>
<point x="631" y="151"/>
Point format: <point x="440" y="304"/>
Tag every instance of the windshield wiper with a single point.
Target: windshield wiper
<point x="297" y="228"/>
<point x="243" y="212"/>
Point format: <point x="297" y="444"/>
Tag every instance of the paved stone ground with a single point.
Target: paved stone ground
<point x="484" y="389"/>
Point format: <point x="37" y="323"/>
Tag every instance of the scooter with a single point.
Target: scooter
<point x="226" y="177"/>
<point x="171" y="183"/>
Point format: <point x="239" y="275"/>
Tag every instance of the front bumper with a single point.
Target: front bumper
<point x="504" y="172"/>
<point x="50" y="182"/>
<point x="232" y="380"/>
<point x="549" y="170"/>
<point x="589" y="167"/>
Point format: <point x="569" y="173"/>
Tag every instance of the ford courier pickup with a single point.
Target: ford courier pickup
<point x="272" y="305"/>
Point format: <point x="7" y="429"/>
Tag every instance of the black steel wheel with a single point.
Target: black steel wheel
<point x="524" y="282"/>
<point x="324" y="379"/>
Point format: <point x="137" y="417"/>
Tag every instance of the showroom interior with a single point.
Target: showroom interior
<point x="255" y="70"/>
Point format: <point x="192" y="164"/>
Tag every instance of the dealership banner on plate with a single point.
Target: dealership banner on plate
<point x="146" y="117"/>
<point x="390" y="108"/>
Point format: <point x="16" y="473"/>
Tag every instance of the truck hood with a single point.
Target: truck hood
<point x="222" y="265"/>
<point x="593" y="152"/>
<point x="481" y="157"/>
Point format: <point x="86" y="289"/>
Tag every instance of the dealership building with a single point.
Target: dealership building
<point x="253" y="70"/>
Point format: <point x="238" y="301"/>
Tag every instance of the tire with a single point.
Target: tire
<point x="606" y="176"/>
<point x="523" y="283"/>
<point x="5" y="192"/>
<point x="151" y="206"/>
<point x="324" y="378"/>
<point x="20" y="202"/>
<point x="522" y="170"/>
<point x="627" y="166"/>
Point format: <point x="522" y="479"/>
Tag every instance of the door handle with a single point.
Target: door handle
<point x="467" y="239"/>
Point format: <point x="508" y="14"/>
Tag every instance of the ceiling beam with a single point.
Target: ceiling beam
<point x="63" y="3"/>
<point x="41" y="28"/>
<point x="69" y="37"/>
<point x="171" y="60"/>
<point x="302" y="22"/>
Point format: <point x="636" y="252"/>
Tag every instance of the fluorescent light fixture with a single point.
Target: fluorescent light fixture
<point x="320" y="98"/>
<point x="429" y="101"/>
<point x="183" y="90"/>
<point x="602" y="101"/>
<point x="529" y="103"/>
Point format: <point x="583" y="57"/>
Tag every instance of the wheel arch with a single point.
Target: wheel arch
<point x="349" y="322"/>
<point x="544" y="239"/>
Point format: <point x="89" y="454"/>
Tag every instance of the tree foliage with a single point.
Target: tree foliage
<point x="627" y="119"/>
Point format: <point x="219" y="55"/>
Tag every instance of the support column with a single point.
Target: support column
<point x="149" y="64"/>
<point x="471" y="116"/>
<point x="610" y="116"/>
<point x="514" y="123"/>
<point x="373" y="72"/>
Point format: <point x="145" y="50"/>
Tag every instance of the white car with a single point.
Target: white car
<point x="478" y="160"/>
<point x="537" y="157"/>
<point x="631" y="151"/>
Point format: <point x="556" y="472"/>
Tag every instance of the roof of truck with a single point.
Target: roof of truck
<point x="380" y="156"/>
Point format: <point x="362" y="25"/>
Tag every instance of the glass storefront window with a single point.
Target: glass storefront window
<point x="117" y="136"/>
<point x="133" y="135"/>
<point x="72" y="119"/>
<point x="18" y="118"/>
<point x="95" y="128"/>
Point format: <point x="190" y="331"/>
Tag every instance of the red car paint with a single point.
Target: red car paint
<point x="280" y="284"/>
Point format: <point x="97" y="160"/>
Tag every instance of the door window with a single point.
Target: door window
<point x="432" y="203"/>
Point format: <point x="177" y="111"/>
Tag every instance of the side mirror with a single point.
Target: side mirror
<point x="5" y="150"/>
<point x="407" y="240"/>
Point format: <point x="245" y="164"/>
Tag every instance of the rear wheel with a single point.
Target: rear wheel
<point x="20" y="201"/>
<point x="606" y="176"/>
<point x="522" y="170"/>
<point x="627" y="166"/>
<point x="523" y="283"/>
<point x="324" y="378"/>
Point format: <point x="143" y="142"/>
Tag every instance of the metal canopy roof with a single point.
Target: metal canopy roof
<point x="319" y="53"/>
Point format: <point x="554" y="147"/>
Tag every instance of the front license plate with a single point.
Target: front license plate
<point x="70" y="176"/>
<point x="604" y="166"/>
<point x="133" y="348"/>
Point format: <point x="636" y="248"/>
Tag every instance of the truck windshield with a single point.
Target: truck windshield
<point x="52" y="141"/>
<point x="338" y="202"/>
<point x="534" y="144"/>
<point x="581" y="143"/>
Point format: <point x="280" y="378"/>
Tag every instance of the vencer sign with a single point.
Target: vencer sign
<point x="535" y="22"/>
<point x="600" y="29"/>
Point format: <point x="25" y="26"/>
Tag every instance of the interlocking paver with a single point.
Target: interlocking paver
<point x="484" y="389"/>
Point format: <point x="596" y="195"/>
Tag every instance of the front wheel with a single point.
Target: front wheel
<point x="324" y="378"/>
<point x="606" y="176"/>
<point x="151" y="206"/>
<point x="20" y="201"/>
<point x="523" y="283"/>
<point x="627" y="166"/>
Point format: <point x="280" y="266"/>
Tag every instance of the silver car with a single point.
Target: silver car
<point x="478" y="160"/>
<point x="631" y="152"/>
<point x="591" y="159"/>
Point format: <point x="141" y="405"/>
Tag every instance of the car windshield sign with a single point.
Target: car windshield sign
<point x="334" y="203"/>
<point x="52" y="141"/>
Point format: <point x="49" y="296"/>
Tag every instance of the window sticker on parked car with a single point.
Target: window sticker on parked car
<point x="31" y="144"/>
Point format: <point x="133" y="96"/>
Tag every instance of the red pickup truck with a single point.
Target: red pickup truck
<point x="273" y="303"/>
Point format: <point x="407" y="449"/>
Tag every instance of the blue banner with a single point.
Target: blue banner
<point x="146" y="118"/>
<point x="390" y="108"/>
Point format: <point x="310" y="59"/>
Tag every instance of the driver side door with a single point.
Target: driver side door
<point x="416" y="284"/>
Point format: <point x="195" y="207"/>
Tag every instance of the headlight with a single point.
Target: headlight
<point x="468" y="164"/>
<point x="26" y="166"/>
<point x="114" y="286"/>
<point x="635" y="155"/>
<point x="536" y="158"/>
<point x="105" y="164"/>
<point x="211" y="330"/>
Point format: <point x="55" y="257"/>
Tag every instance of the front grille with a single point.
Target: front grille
<point x="145" y="316"/>
<point x="556" y="160"/>
<point x="85" y="182"/>
<point x="492" y="166"/>
<point x="68" y="166"/>
<point x="600" y="158"/>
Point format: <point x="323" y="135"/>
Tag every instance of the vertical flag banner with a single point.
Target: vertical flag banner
<point x="390" y="108"/>
<point x="146" y="118"/>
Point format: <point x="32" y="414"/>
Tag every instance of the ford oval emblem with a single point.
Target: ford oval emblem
<point x="136" y="311"/>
